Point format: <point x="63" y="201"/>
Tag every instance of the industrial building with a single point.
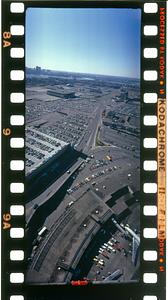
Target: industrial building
<point x="76" y="235"/>
<point x="61" y="93"/>
<point x="40" y="148"/>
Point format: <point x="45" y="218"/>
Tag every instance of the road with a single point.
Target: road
<point x="88" y="140"/>
<point x="50" y="191"/>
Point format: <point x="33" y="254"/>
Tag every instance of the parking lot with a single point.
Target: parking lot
<point x="76" y="204"/>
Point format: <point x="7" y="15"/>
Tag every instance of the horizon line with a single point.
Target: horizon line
<point x="123" y="76"/>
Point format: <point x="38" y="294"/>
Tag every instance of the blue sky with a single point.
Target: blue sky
<point x="97" y="41"/>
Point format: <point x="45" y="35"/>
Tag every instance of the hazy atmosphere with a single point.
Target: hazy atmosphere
<point x="101" y="41"/>
<point x="82" y="146"/>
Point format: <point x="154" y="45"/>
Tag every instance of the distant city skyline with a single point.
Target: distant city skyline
<point x="82" y="73"/>
<point x="91" y="41"/>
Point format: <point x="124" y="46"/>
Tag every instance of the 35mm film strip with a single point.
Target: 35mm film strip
<point x="110" y="106"/>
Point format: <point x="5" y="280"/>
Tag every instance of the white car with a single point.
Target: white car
<point x="104" y="247"/>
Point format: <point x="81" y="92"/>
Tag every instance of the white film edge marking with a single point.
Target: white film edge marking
<point x="150" y="52"/>
<point x="150" y="255"/>
<point x="16" y="233"/>
<point x="16" y="187"/>
<point x="150" y="143"/>
<point x="149" y="297"/>
<point x="150" y="97"/>
<point x="17" y="29"/>
<point x="150" y="165"/>
<point x="16" y="255"/>
<point x="17" y="52"/>
<point x="17" y="7"/>
<point x="150" y="120"/>
<point x="16" y="210"/>
<point x="16" y="297"/>
<point x="150" y="8"/>
<point x="17" y="165"/>
<point x="19" y="297"/>
<point x="16" y="142"/>
<point x="16" y="277"/>
<point x="150" y="233"/>
<point x="17" y="75"/>
<point x="150" y="75"/>
<point x="150" y="277"/>
<point x="150" y="210"/>
<point x="17" y="120"/>
<point x="150" y="30"/>
<point x="17" y="97"/>
<point x="150" y="188"/>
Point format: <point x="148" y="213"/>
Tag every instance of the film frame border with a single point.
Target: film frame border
<point x="13" y="286"/>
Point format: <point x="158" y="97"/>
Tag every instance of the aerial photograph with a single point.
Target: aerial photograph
<point x="82" y="145"/>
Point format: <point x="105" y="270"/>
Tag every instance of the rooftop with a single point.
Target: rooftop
<point x="40" y="148"/>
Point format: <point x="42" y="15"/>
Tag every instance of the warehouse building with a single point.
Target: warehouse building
<point x="40" y="149"/>
<point x="61" y="93"/>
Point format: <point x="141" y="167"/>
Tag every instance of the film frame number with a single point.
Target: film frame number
<point x="6" y="131"/>
<point x="6" y="219"/>
<point x="6" y="37"/>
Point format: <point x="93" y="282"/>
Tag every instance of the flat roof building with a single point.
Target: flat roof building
<point x="62" y="93"/>
<point x="40" y="148"/>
